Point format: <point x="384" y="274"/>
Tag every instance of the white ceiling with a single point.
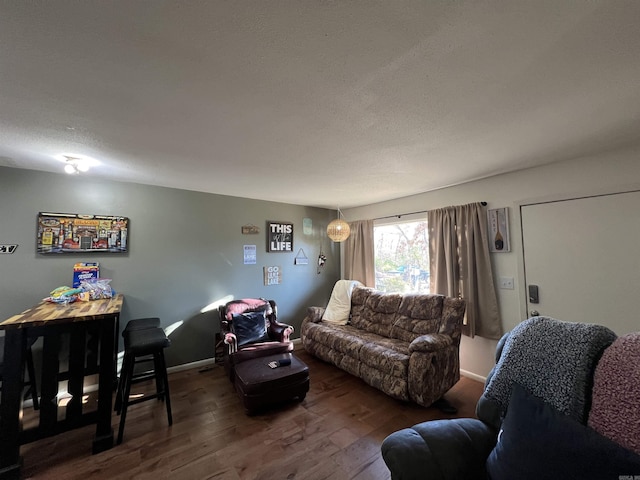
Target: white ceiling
<point x="320" y="103"/>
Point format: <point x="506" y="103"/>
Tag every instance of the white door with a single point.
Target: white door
<point x="584" y="257"/>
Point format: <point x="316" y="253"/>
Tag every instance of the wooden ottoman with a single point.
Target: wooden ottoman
<point x="259" y="385"/>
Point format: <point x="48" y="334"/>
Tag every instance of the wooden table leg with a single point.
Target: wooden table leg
<point x="14" y="347"/>
<point x="104" y="433"/>
<point x="76" y="373"/>
<point x="49" y="382"/>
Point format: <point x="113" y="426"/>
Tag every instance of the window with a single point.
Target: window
<point x="402" y="255"/>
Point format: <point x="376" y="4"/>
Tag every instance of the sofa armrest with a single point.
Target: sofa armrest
<point x="440" y="450"/>
<point x="314" y="314"/>
<point x="430" y="342"/>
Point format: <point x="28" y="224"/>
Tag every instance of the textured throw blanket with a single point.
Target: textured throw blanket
<point x="339" y="305"/>
<point x="615" y="411"/>
<point x="552" y="359"/>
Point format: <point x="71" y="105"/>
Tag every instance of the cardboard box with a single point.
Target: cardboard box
<point x="85" y="271"/>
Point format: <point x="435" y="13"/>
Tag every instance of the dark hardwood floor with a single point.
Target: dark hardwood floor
<point x="335" y="433"/>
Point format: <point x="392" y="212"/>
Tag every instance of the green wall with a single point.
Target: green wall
<point x="186" y="251"/>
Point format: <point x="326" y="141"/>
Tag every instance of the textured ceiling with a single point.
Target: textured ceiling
<point x="320" y="103"/>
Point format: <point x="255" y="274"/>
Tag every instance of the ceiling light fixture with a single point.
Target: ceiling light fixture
<point x="338" y="230"/>
<point x="74" y="165"/>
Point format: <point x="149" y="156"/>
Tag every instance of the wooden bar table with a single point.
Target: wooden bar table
<point x="96" y="319"/>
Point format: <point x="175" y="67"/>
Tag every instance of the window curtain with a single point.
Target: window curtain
<point x="358" y="253"/>
<point x="461" y="267"/>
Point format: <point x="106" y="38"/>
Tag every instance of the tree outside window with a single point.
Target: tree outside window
<point x="402" y="256"/>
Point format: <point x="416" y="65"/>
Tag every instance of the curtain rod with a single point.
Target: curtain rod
<point x="484" y="204"/>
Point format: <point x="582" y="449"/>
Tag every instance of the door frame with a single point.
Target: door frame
<point x="563" y="197"/>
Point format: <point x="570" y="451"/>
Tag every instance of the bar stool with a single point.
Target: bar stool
<point x="135" y="324"/>
<point x="141" y="324"/>
<point x="143" y="342"/>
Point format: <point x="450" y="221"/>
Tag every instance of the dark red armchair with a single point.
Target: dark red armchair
<point x="250" y="329"/>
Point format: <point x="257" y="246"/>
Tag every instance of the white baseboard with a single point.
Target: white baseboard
<point x="94" y="387"/>
<point x="297" y="342"/>
<point x="473" y="376"/>
<point x="187" y="366"/>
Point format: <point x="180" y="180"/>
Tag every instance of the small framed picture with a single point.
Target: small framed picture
<point x="279" y="236"/>
<point x="498" y="219"/>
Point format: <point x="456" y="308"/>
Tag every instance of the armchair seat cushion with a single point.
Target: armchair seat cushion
<point x="261" y="349"/>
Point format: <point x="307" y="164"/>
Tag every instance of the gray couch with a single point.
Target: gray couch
<point x="561" y="402"/>
<point x="404" y="345"/>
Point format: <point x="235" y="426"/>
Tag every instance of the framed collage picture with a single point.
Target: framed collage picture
<point x="76" y="233"/>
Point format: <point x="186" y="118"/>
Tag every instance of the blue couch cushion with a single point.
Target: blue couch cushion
<point x="250" y="327"/>
<point x="537" y="442"/>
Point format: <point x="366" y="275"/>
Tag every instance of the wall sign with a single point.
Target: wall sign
<point x="250" y="255"/>
<point x="301" y="258"/>
<point x="8" y="248"/>
<point x="272" y="275"/>
<point x="250" y="230"/>
<point x="499" y="240"/>
<point x="279" y="236"/>
<point x="307" y="226"/>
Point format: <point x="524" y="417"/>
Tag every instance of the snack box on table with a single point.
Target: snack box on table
<point x="85" y="272"/>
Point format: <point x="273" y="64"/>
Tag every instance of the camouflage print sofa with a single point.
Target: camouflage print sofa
<point x="405" y="345"/>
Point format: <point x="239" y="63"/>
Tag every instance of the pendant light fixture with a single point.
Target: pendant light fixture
<point x="338" y="230"/>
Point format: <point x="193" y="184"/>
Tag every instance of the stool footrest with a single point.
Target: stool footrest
<point x="151" y="396"/>
<point x="142" y="377"/>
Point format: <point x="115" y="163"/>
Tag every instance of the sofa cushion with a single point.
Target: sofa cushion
<point x="453" y="310"/>
<point x="440" y="449"/>
<point x="359" y="298"/>
<point x="339" y="305"/>
<point x="250" y="327"/>
<point x="378" y="313"/>
<point x="388" y="355"/>
<point x="396" y="387"/>
<point x="343" y="338"/>
<point x="418" y="314"/>
<point x="616" y="390"/>
<point x="537" y="442"/>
